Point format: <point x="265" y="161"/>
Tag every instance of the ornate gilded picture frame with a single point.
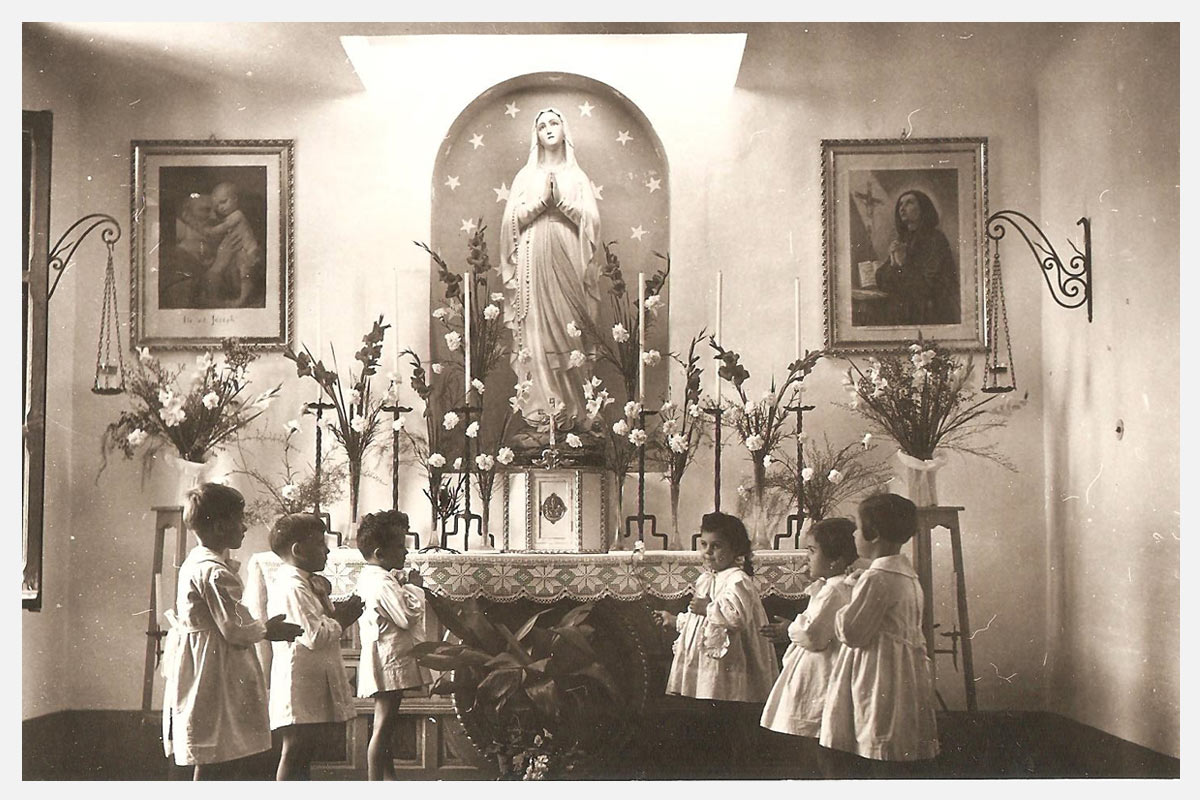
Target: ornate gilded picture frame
<point x="212" y="243"/>
<point x="904" y="245"/>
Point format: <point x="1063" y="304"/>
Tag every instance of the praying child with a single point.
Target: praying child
<point x="798" y="697"/>
<point x="215" y="705"/>
<point x="880" y="704"/>
<point x="392" y="623"/>
<point x="309" y="685"/>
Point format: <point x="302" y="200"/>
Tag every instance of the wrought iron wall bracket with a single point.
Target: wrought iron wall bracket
<point x="64" y="249"/>
<point x="1071" y="285"/>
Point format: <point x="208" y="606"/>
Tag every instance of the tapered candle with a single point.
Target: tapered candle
<point x="641" y="337"/>
<point x="798" y="353"/>
<point x="467" y="337"/>
<point x="716" y="373"/>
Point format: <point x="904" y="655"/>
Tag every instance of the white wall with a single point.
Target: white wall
<point x="751" y="179"/>
<point x="1114" y="504"/>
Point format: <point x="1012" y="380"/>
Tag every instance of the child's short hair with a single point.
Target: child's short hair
<point x="210" y="503"/>
<point x="733" y="531"/>
<point x="889" y="516"/>
<point x="835" y="537"/>
<point x="376" y="530"/>
<point x="293" y="528"/>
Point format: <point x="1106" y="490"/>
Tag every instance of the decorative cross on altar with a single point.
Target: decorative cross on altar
<point x="396" y="411"/>
<point x="318" y="407"/>
<point x="796" y="521"/>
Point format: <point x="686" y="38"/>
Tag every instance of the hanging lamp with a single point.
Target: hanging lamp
<point x="999" y="375"/>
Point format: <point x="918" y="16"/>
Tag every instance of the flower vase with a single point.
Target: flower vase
<point x="171" y="477"/>
<point x="350" y="537"/>
<point x="618" y="539"/>
<point x="759" y="522"/>
<point x="485" y="516"/>
<point x="675" y="543"/>
<point x="920" y="477"/>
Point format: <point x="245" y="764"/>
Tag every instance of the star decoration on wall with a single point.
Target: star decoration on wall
<point x="623" y="137"/>
<point x="476" y="141"/>
<point x="510" y="109"/>
<point x="598" y="191"/>
<point x="585" y="110"/>
<point x="637" y="233"/>
<point x="654" y="184"/>
<point x="452" y="181"/>
<point x="501" y="193"/>
<point x="468" y="225"/>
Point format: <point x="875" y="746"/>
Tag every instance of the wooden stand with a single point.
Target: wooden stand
<point x="928" y="518"/>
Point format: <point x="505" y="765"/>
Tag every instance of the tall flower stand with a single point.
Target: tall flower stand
<point x="929" y="518"/>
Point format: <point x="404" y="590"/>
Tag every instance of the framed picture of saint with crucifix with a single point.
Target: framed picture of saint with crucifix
<point x="905" y="250"/>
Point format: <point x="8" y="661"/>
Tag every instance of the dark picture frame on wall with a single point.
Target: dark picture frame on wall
<point x="212" y="243"/>
<point x="904" y="245"/>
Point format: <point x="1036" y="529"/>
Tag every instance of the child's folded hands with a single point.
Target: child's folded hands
<point x="776" y="631"/>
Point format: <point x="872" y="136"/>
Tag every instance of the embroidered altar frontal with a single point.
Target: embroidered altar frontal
<point x="546" y="578"/>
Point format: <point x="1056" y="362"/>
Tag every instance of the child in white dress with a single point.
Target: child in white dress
<point x="215" y="704"/>
<point x="880" y="704"/>
<point x="309" y="685"/>
<point x="392" y="623"/>
<point x="798" y="697"/>
<point x="719" y="653"/>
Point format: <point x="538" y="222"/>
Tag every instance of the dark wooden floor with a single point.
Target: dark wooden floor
<point x="111" y="745"/>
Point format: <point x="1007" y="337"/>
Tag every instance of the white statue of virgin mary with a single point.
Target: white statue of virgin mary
<point x="549" y="236"/>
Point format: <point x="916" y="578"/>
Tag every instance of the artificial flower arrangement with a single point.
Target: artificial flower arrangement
<point x="195" y="418"/>
<point x="292" y="490"/>
<point x="357" y="422"/>
<point x="682" y="427"/>
<point x="919" y="396"/>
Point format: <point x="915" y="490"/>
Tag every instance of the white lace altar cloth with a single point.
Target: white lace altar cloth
<point x="547" y="578"/>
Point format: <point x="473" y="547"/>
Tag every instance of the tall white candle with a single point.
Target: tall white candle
<point x="467" y="337"/>
<point x="716" y="374"/>
<point x="798" y="353"/>
<point x="641" y="337"/>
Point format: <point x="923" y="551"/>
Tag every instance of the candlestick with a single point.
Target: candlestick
<point x="798" y="353"/>
<point x="641" y="337"/>
<point x="716" y="372"/>
<point x="467" y="337"/>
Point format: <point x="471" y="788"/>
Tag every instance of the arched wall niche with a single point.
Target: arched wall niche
<point x="626" y="163"/>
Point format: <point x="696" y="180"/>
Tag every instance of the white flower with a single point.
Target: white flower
<point x="523" y="355"/>
<point x="573" y="330"/>
<point x="505" y="456"/>
<point x="620" y="427"/>
<point x="355" y="396"/>
<point x="450" y="421"/>
<point x="165" y="397"/>
<point x="359" y="423"/>
<point x="292" y="426"/>
<point x="754" y="442"/>
<point x="574" y="441"/>
<point x="694" y="411"/>
<point x="458" y="463"/>
<point x="398" y="424"/>
<point x="441" y="313"/>
<point x="136" y="437"/>
<point x="803" y="436"/>
<point x="619" y="333"/>
<point x="453" y="340"/>
<point x="484" y="462"/>
<point x="767" y="460"/>
<point x="576" y="359"/>
<point x="472" y="430"/>
<point x="289" y="491"/>
<point x="211" y="400"/>
<point x="653" y="302"/>
<point x="666" y="408"/>
<point x="914" y="348"/>
<point x="590" y="387"/>
<point x="204" y="362"/>
<point x="172" y="414"/>
<point x="478" y="384"/>
<point x="929" y="355"/>
<point x="768" y="397"/>
<point x="670" y="426"/>
<point x="637" y="436"/>
<point x="806" y="474"/>
<point x="436" y="367"/>
<point x="490" y="312"/>
<point x="144" y="355"/>
<point x="632" y="409"/>
<point x="437" y="460"/>
<point x="497" y="297"/>
<point x="651" y="357"/>
<point x="866" y="440"/>
<point x="264" y="400"/>
<point x="677" y="442"/>
<point x="834" y="476"/>
<point x="742" y="491"/>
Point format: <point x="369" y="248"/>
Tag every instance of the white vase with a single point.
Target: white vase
<point x="920" y="477"/>
<point x="171" y="477"/>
